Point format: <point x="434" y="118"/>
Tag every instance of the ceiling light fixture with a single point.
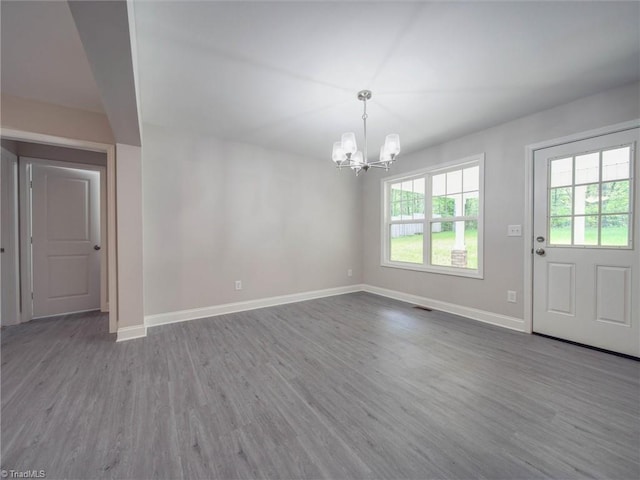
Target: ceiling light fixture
<point x="346" y="153"/>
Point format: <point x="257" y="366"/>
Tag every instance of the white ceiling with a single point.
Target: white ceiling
<point x="284" y="75"/>
<point x="43" y="58"/>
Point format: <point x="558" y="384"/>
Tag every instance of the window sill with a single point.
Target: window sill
<point x="456" y="272"/>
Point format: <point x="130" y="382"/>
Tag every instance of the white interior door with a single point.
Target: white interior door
<point x="65" y="240"/>
<point x="586" y="234"/>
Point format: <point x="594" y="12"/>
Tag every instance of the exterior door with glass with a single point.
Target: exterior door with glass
<point x="586" y="234"/>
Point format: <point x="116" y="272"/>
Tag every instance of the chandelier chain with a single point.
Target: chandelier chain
<point x="364" y="119"/>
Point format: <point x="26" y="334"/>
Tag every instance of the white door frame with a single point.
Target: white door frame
<point x="111" y="238"/>
<point x="10" y="256"/>
<point x="26" y="215"/>
<point x="528" y="204"/>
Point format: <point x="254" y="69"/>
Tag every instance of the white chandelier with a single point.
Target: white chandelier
<point x="346" y="153"/>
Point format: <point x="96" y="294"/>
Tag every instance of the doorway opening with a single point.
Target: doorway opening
<point x="60" y="216"/>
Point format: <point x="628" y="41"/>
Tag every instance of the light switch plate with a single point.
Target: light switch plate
<point x="514" y="230"/>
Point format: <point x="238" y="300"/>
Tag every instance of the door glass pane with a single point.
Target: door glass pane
<point x="615" y="163"/>
<point x="560" y="231"/>
<point x="615" y="197"/>
<point x="560" y="201"/>
<point x="615" y="230"/>
<point x="587" y="199"/>
<point x="585" y="230"/>
<point x="406" y="242"/>
<point x="561" y="172"/>
<point x="588" y="168"/>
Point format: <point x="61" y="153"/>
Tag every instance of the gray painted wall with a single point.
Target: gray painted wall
<point x="216" y="212"/>
<point x="504" y="146"/>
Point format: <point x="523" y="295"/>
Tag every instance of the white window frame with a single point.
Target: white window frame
<point x="427" y="174"/>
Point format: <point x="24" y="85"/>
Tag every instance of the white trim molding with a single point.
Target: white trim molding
<point x="130" y="333"/>
<point x="497" y="319"/>
<point x="215" y="310"/>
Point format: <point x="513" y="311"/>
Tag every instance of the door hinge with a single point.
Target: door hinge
<point x="31" y="240"/>
<point x="30" y="183"/>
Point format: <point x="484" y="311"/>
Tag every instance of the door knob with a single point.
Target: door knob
<point x="540" y="251"/>
<point x="96" y="247"/>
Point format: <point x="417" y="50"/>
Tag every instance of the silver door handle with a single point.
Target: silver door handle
<point x="96" y="247"/>
<point x="540" y="251"/>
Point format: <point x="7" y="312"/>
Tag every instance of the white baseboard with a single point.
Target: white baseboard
<point x="215" y="310"/>
<point x="500" y="320"/>
<point x="497" y="319"/>
<point x="129" y="333"/>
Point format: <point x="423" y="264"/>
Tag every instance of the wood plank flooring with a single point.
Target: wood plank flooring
<point x="348" y="387"/>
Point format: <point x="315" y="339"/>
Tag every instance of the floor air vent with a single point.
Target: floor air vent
<point x="420" y="307"/>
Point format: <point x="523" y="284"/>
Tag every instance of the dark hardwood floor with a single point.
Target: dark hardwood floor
<point x="346" y="387"/>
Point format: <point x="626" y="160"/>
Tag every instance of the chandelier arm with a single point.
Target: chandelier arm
<point x="379" y="165"/>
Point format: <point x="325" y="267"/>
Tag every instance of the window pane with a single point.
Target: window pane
<point x="454" y="182"/>
<point x="396" y="192"/>
<point x="588" y="168"/>
<point x="561" y="172"/>
<point x="585" y="230"/>
<point x="615" y="164"/>
<point x="471" y="204"/>
<point x="418" y="208"/>
<point x="471" y="179"/>
<point x="454" y="244"/>
<point x="439" y="185"/>
<point x="471" y="242"/>
<point x="395" y="210"/>
<point x="587" y="199"/>
<point x="455" y="204"/>
<point x="615" y="197"/>
<point x="560" y="231"/>
<point x="406" y="243"/>
<point x="444" y="206"/>
<point x="615" y="230"/>
<point x="560" y="201"/>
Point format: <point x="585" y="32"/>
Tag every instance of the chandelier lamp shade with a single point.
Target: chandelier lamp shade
<point x="346" y="154"/>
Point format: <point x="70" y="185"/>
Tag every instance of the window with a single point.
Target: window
<point x="590" y="199"/>
<point x="433" y="219"/>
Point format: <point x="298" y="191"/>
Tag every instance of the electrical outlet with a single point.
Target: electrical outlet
<point x="514" y="230"/>
<point x="238" y="284"/>
<point x="511" y="296"/>
<point x="349" y="273"/>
